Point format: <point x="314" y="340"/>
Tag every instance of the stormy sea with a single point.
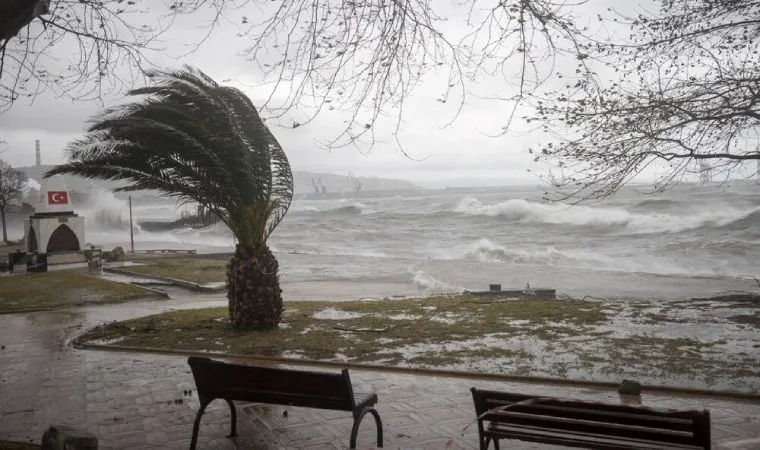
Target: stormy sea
<point x="691" y="241"/>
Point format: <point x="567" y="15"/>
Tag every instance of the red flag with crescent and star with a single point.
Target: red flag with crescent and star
<point x="58" y="197"/>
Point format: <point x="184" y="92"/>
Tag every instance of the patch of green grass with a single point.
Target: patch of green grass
<point x="460" y="356"/>
<point x="10" y="247"/>
<point x="196" y="270"/>
<point x="61" y="288"/>
<point x="683" y="355"/>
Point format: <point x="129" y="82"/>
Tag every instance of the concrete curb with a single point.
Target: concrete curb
<point x="158" y="292"/>
<point x="424" y="372"/>
<point x="176" y="282"/>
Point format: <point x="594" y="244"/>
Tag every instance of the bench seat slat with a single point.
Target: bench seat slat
<point x="590" y="426"/>
<point x="215" y="377"/>
<point x="290" y="399"/>
<point x="492" y="399"/>
<point x="620" y="417"/>
<point x="578" y="439"/>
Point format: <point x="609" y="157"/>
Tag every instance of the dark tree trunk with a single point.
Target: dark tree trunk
<point x="16" y="14"/>
<point x="5" y="232"/>
<point x="253" y="288"/>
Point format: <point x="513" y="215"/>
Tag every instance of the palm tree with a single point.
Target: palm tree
<point x="190" y="138"/>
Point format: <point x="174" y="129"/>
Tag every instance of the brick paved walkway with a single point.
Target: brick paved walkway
<point x="137" y="401"/>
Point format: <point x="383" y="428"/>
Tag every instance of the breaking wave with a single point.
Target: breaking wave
<point x="656" y="204"/>
<point x="350" y="210"/>
<point x="487" y="250"/>
<point x="430" y="285"/>
<point x="519" y="210"/>
<point x="296" y="207"/>
<point x="749" y="222"/>
<point x="104" y="211"/>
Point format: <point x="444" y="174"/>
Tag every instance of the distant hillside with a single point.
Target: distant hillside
<point x="310" y="182"/>
<point x="304" y="182"/>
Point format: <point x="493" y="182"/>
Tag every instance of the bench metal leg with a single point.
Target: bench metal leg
<point x="484" y="441"/>
<point x="379" y="425"/>
<point x="233" y="432"/>
<point x="197" y="424"/>
<point x="358" y="420"/>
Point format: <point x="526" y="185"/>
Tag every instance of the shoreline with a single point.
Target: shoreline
<point x="314" y="276"/>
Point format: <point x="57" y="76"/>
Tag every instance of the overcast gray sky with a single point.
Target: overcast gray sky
<point x="461" y="154"/>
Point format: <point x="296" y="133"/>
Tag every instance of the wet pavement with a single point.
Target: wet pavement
<point x="134" y="400"/>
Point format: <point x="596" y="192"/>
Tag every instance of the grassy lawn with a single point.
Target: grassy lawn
<point x="196" y="270"/>
<point x="59" y="289"/>
<point x="568" y="339"/>
<point x="357" y="330"/>
<point x="10" y="247"/>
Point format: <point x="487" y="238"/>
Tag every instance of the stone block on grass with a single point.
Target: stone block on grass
<point x="628" y="387"/>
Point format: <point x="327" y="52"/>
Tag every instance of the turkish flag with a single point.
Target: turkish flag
<point x="58" y="197"/>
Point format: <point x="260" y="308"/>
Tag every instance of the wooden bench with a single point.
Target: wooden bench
<point x="578" y="423"/>
<point x="229" y="382"/>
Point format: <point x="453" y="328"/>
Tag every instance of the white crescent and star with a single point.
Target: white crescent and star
<point x="56" y="197"/>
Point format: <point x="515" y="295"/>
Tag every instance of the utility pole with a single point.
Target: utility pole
<point x="131" y="230"/>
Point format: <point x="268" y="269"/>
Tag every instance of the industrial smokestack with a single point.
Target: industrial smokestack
<point x="37" y="148"/>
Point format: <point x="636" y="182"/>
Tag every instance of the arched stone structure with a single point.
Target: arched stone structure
<point x="54" y="227"/>
<point x="63" y="239"/>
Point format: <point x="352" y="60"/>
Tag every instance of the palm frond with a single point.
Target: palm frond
<point x="190" y="138"/>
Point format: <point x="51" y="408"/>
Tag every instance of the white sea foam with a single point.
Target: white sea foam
<point x="296" y="207"/>
<point x="363" y="209"/>
<point x="430" y="285"/>
<point x="487" y="250"/>
<point x="356" y="208"/>
<point x="31" y="183"/>
<point x="404" y="317"/>
<point x="335" y="314"/>
<point x="561" y="214"/>
<point x="217" y="235"/>
<point x="104" y="210"/>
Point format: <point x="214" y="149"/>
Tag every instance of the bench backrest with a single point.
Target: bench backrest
<point x="216" y="379"/>
<point x="687" y="427"/>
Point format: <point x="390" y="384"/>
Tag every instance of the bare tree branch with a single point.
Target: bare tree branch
<point x="685" y="89"/>
<point x="363" y="58"/>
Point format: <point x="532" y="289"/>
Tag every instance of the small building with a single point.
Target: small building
<point x="54" y="227"/>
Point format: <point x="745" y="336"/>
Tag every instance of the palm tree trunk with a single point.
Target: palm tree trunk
<point x="253" y="288"/>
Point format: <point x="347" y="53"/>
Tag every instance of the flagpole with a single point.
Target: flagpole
<point x="131" y="230"/>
